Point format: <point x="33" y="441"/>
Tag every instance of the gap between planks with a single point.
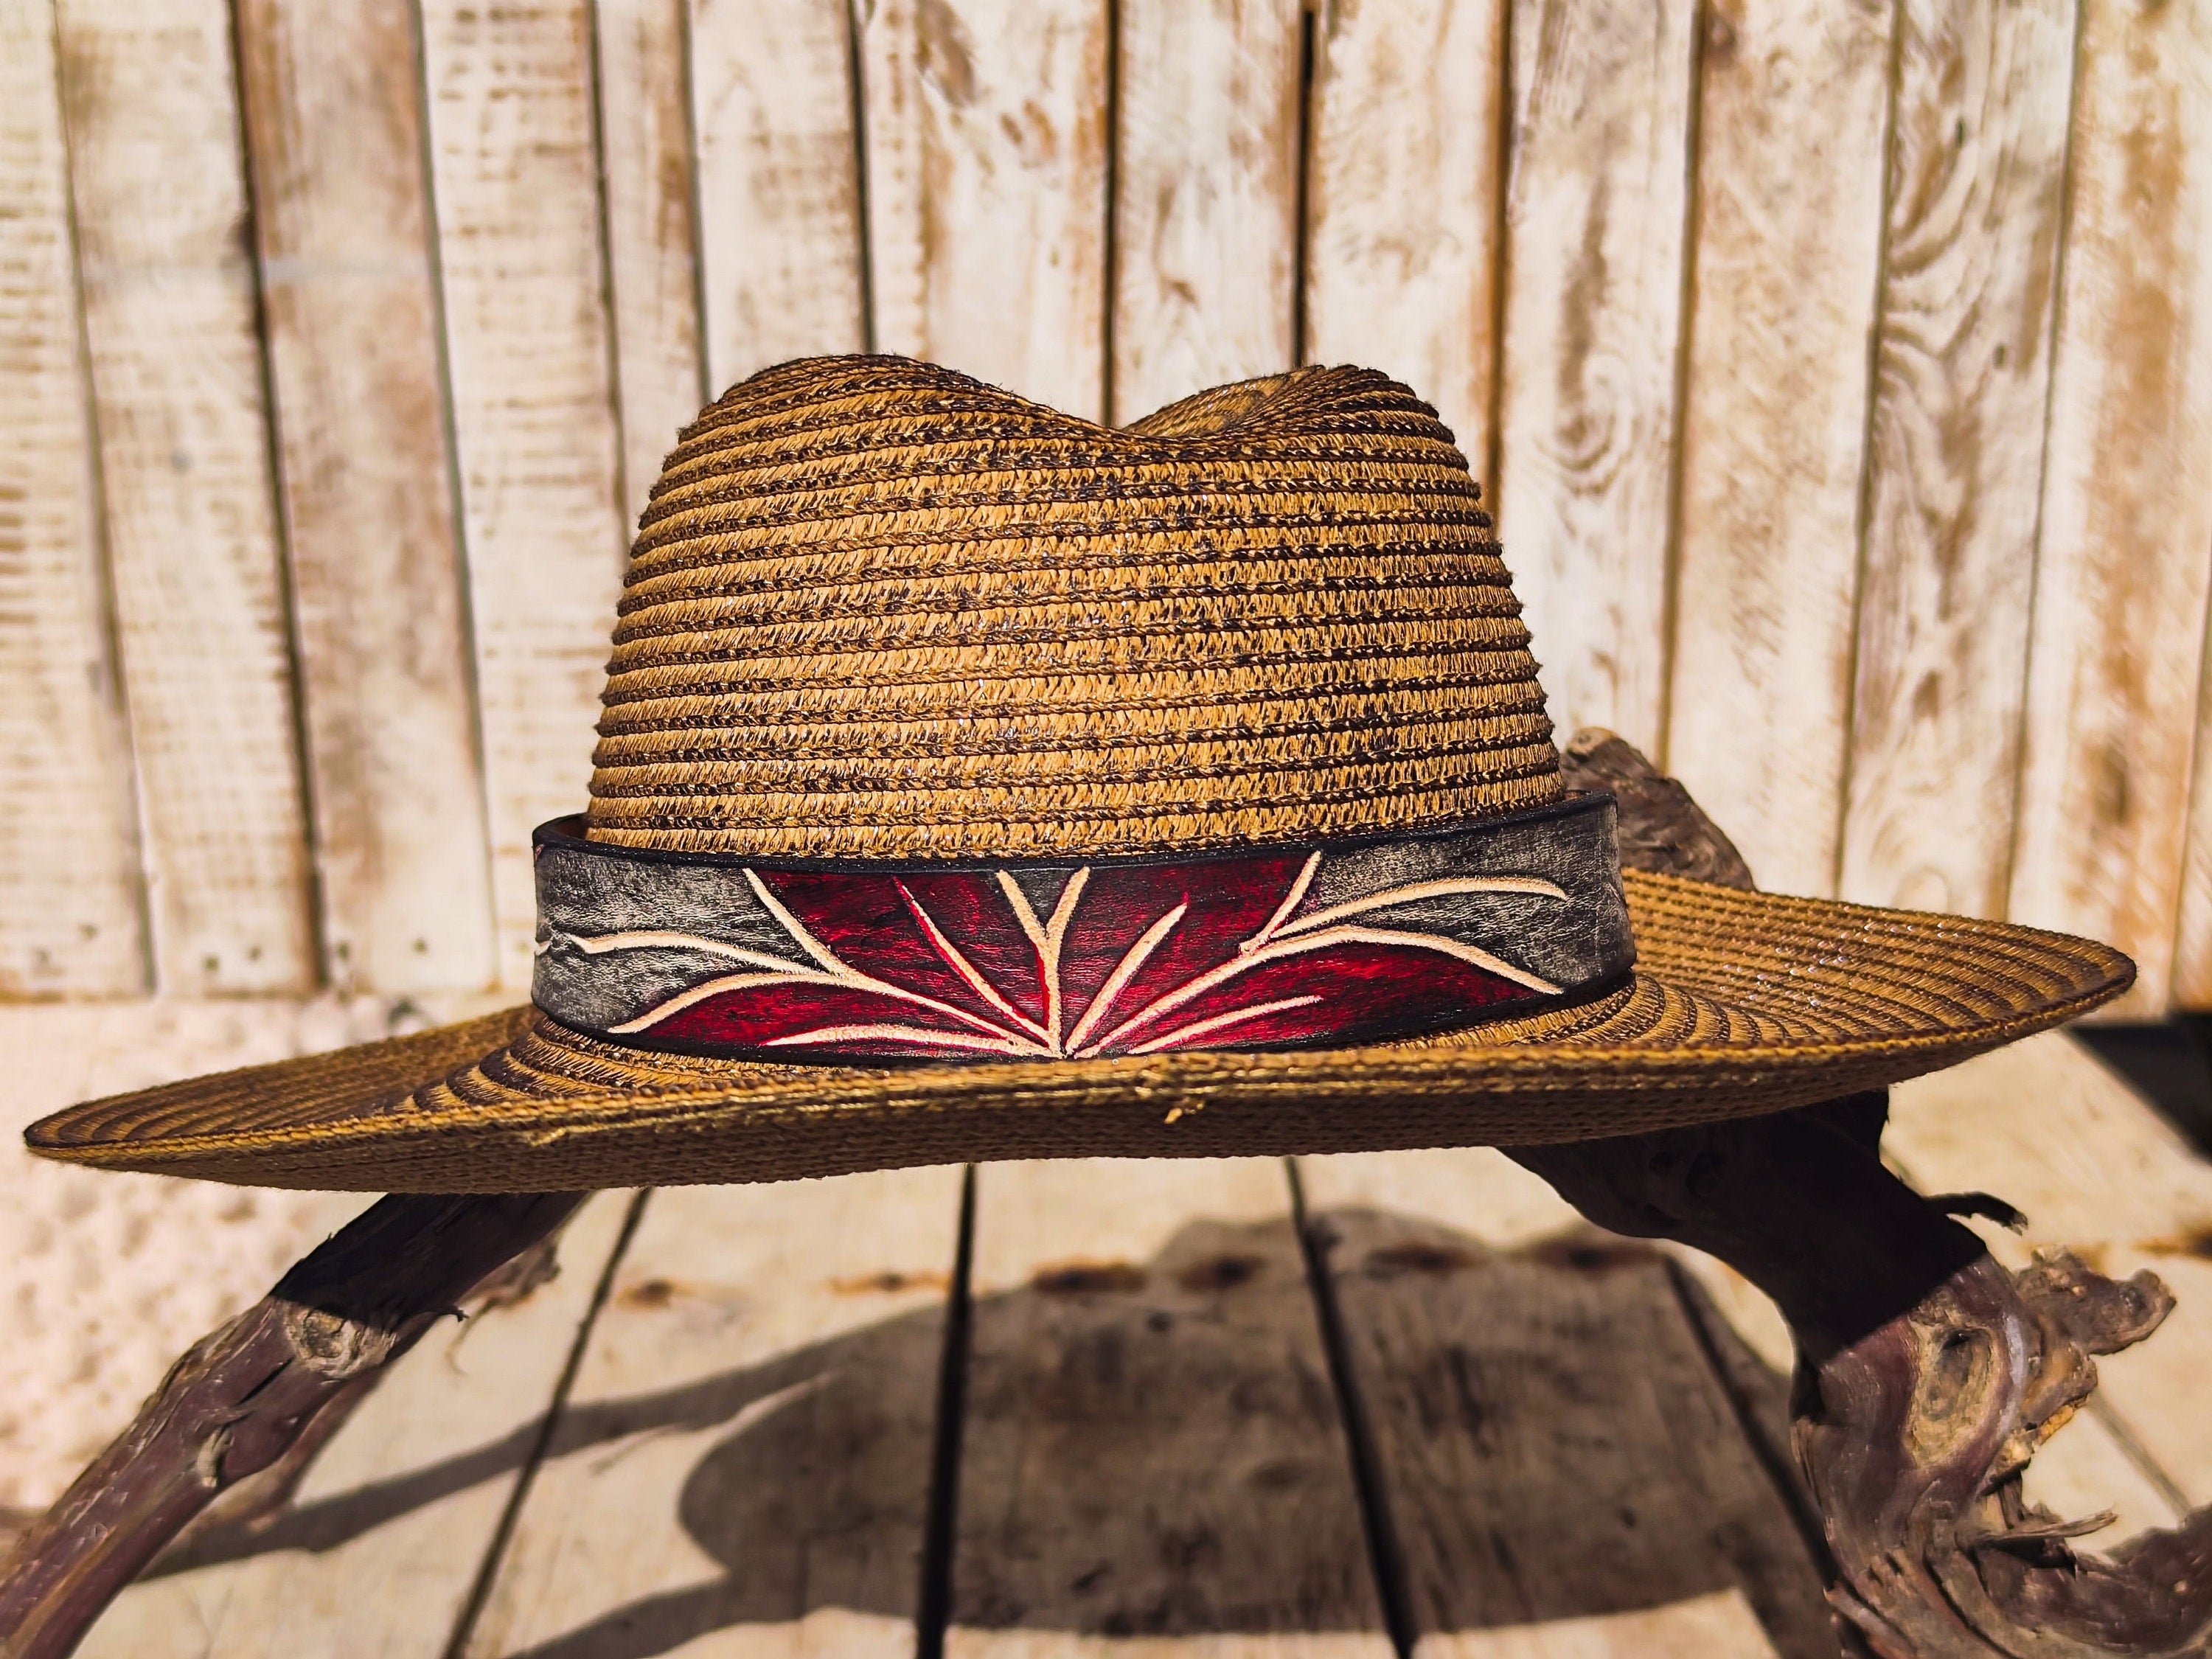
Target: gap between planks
<point x="1152" y="1459"/>
<point x="1558" y="1465"/>
<point x="746" y="1460"/>
<point x="2117" y="628"/>
<point x="515" y="180"/>
<point x="471" y="1608"/>
<point x="183" y="436"/>
<point x="346" y="240"/>
<point x="71" y="916"/>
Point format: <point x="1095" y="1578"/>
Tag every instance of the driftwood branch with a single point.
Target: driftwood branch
<point x="1928" y="1375"/>
<point x="260" y="1395"/>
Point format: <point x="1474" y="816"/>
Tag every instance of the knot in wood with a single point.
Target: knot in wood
<point x="334" y="1346"/>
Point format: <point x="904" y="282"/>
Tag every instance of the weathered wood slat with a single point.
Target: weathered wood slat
<point x="651" y="242"/>
<point x="516" y="177"/>
<point x="2192" y="954"/>
<point x="986" y="133"/>
<point x="168" y="286"/>
<point x="1151" y="1447"/>
<point x="379" y="1548"/>
<point x="334" y="128"/>
<point x="1594" y="217"/>
<point x="1403" y="174"/>
<point x="2046" y="1127"/>
<point x="744" y="1465"/>
<point x="1548" y="1498"/>
<point x="1206" y="202"/>
<point x="1961" y="393"/>
<point x="1793" y="113"/>
<point x="2121" y="566"/>
<point x="778" y="182"/>
<point x="1718" y="1625"/>
<point x="70" y="915"/>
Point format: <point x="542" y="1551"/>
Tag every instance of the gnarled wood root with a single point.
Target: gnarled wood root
<point x="1914" y="1422"/>
<point x="1915" y="1437"/>
<point x="1928" y="1374"/>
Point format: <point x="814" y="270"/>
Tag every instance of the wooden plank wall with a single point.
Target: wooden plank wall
<point x="1841" y="371"/>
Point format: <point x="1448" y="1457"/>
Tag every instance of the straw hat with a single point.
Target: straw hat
<point x="978" y="782"/>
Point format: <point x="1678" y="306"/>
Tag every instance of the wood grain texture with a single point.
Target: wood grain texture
<point x="1793" y="113"/>
<point x="986" y="133"/>
<point x="1718" y="1625"/>
<point x="516" y="177"/>
<point x="333" y="105"/>
<point x="1594" y="222"/>
<point x="651" y="242"/>
<point x="1206" y="198"/>
<point x="1152" y="1448"/>
<point x="70" y="915"/>
<point x="1402" y="177"/>
<point x="380" y="1545"/>
<point x="1521" y="1212"/>
<point x="1547" y="1499"/>
<point x="778" y="183"/>
<point x="1961" y="390"/>
<point x="2192" y="954"/>
<point x="744" y="1464"/>
<point x="2125" y="549"/>
<point x="166" y="261"/>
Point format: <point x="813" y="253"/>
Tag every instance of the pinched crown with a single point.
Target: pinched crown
<point x="877" y="608"/>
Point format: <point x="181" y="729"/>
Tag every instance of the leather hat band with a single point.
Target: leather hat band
<point x="1323" y="945"/>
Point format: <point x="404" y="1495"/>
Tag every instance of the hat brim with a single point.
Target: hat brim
<point x="1741" y="1003"/>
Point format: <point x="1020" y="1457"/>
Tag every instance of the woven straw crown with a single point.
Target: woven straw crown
<point x="877" y="608"/>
